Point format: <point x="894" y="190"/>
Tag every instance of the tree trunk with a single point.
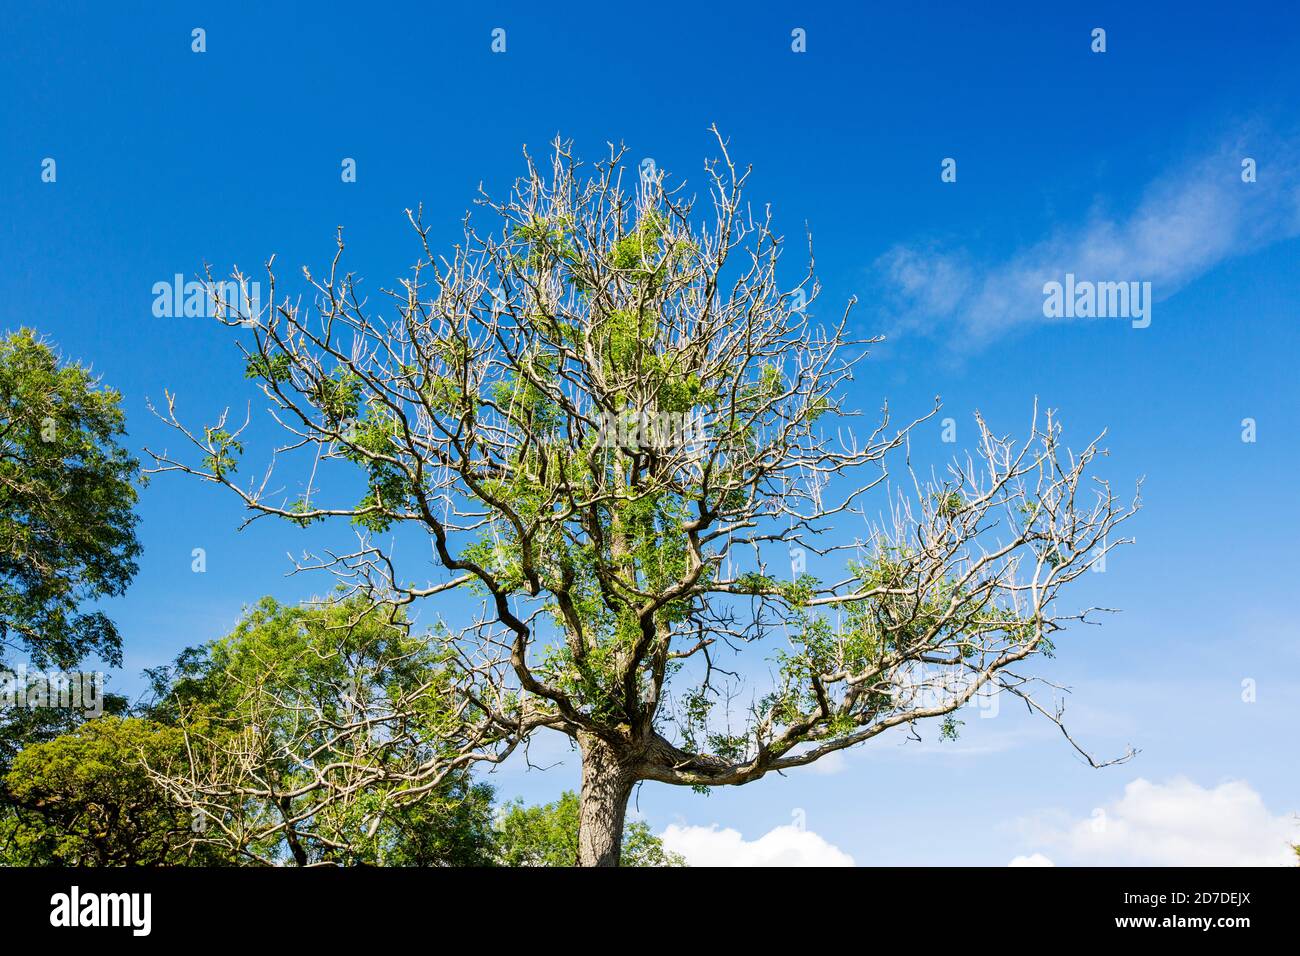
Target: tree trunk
<point x="606" y="785"/>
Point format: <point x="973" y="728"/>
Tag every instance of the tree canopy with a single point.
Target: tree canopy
<point x="67" y="525"/>
<point x="85" y="799"/>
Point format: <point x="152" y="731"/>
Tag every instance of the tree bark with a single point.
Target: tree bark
<point x="607" y="783"/>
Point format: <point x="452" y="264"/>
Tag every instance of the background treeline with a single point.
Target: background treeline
<point x="250" y="721"/>
<point x="303" y="737"/>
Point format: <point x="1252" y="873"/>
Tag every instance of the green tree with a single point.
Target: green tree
<point x="67" y="529"/>
<point x="619" y="425"/>
<point x="85" y="798"/>
<point x="547" y="835"/>
<point x="312" y="727"/>
<point x="24" y="726"/>
<point x="298" y="738"/>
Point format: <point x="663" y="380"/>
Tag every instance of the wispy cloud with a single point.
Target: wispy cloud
<point x="1194" y="216"/>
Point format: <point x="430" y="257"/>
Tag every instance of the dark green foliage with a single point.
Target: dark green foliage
<point x="24" y="726"/>
<point x="85" y="799"/>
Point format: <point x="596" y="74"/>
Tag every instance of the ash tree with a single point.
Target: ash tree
<point x="624" y="433"/>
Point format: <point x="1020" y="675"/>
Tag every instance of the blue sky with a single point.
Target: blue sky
<point x="1066" y="160"/>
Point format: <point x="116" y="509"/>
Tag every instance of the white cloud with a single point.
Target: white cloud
<point x="783" y="846"/>
<point x="1193" y="217"/>
<point x="1034" y="859"/>
<point x="1175" y="824"/>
